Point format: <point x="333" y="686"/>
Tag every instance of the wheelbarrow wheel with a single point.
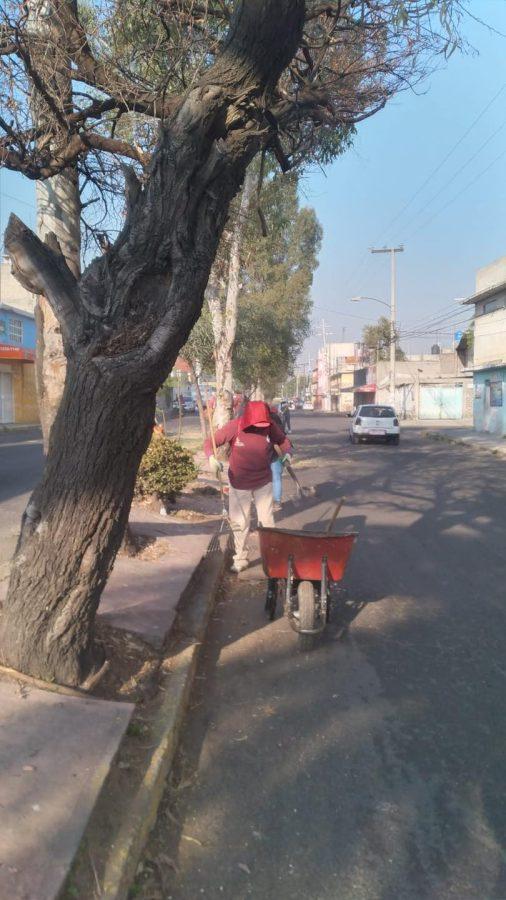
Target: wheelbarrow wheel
<point x="307" y="614"/>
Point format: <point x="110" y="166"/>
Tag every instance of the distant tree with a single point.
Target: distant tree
<point x="377" y="338"/>
<point x="281" y="254"/>
<point x="199" y="353"/>
<point x="222" y="295"/>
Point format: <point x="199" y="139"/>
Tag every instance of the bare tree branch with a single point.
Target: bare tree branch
<point x="41" y="268"/>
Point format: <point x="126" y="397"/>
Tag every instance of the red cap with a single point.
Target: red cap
<point x="256" y="412"/>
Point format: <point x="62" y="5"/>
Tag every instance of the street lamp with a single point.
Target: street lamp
<point x="391" y="307"/>
<point x="361" y="297"/>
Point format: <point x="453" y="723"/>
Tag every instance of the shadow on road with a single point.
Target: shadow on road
<point x="373" y="766"/>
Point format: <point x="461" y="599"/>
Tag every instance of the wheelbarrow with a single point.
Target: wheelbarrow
<point x="301" y="567"/>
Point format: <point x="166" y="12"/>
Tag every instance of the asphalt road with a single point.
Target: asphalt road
<point x="372" y="768"/>
<point x="21" y="461"/>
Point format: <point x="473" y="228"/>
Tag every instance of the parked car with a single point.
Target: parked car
<point x="188" y="405"/>
<point x="372" y="421"/>
<point x="307" y="405"/>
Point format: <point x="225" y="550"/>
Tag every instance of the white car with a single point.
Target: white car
<point x="307" y="405"/>
<point x="374" y="421"/>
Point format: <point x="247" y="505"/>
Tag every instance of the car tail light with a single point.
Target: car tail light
<point x="396" y="421"/>
<point x="358" y="421"/>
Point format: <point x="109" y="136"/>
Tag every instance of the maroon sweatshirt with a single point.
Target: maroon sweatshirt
<point x="252" y="452"/>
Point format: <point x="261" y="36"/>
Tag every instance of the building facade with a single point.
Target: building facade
<point x="489" y="348"/>
<point x="337" y="377"/>
<point x="18" y="396"/>
<point x="427" y="386"/>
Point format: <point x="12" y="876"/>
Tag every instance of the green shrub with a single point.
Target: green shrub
<point x="165" y="468"/>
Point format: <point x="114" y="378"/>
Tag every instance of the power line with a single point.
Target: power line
<point x="446" y="158"/>
<point x="17" y="200"/>
<point x="397" y="216"/>
<point x="443" y="315"/>
<point x="462" y="191"/>
<point x="338" y="312"/>
<point x="435" y="329"/>
<point x="454" y="176"/>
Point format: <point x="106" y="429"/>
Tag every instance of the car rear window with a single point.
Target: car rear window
<point x="377" y="412"/>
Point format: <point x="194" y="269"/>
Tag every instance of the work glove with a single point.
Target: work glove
<point x="215" y="466"/>
<point x="286" y="459"/>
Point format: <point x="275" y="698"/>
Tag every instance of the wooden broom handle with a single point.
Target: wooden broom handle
<point x="335" y="514"/>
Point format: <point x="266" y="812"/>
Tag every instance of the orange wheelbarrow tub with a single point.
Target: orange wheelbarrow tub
<point x="301" y="566"/>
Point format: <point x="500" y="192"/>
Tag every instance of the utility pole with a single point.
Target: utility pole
<point x="393" y="301"/>
<point x="325" y="333"/>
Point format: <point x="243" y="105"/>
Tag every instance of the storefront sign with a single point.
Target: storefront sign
<point x="7" y="351"/>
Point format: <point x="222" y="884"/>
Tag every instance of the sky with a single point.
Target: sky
<point x="455" y="223"/>
<point x="394" y="153"/>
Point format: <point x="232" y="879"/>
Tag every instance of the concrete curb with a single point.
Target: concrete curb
<point x="4" y="429"/>
<point x="496" y="450"/>
<point x="135" y="816"/>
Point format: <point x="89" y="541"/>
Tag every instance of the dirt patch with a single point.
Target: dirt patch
<point x="133" y="673"/>
<point x="143" y="546"/>
<point x="198" y="502"/>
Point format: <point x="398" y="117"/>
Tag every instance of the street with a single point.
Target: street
<point x="21" y="460"/>
<point x="371" y="768"/>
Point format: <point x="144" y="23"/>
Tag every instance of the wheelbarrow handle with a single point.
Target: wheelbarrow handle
<point x="335" y="514"/>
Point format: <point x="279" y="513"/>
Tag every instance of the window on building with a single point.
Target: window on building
<point x="16" y="330"/>
<point x="496" y="393"/>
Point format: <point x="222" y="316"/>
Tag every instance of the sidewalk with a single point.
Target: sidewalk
<point x="455" y="432"/>
<point x="59" y="748"/>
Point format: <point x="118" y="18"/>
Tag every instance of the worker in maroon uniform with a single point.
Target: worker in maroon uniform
<point x="251" y="438"/>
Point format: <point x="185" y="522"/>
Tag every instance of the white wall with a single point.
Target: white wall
<point x="11" y="292"/>
<point x="490" y="339"/>
<point x="488" y="276"/>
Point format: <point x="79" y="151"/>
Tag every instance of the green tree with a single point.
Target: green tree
<point x="199" y="354"/>
<point x="280" y="255"/>
<point x="377" y="338"/>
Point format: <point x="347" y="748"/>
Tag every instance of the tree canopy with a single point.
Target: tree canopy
<point x="130" y="61"/>
<point x="277" y="273"/>
<point x="378" y="339"/>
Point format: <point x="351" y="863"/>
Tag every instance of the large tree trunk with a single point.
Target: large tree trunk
<point x="73" y="526"/>
<point x="123" y="322"/>
<point x="58" y="211"/>
<point x="58" y="198"/>
<point x="225" y="320"/>
<point x="224" y="388"/>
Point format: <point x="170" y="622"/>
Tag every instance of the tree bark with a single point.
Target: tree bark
<point x="73" y="526"/>
<point x="58" y="200"/>
<point x="123" y="323"/>
<point x="225" y="320"/>
<point x="58" y="211"/>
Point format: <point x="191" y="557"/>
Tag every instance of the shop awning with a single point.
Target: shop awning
<point x="365" y="389"/>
